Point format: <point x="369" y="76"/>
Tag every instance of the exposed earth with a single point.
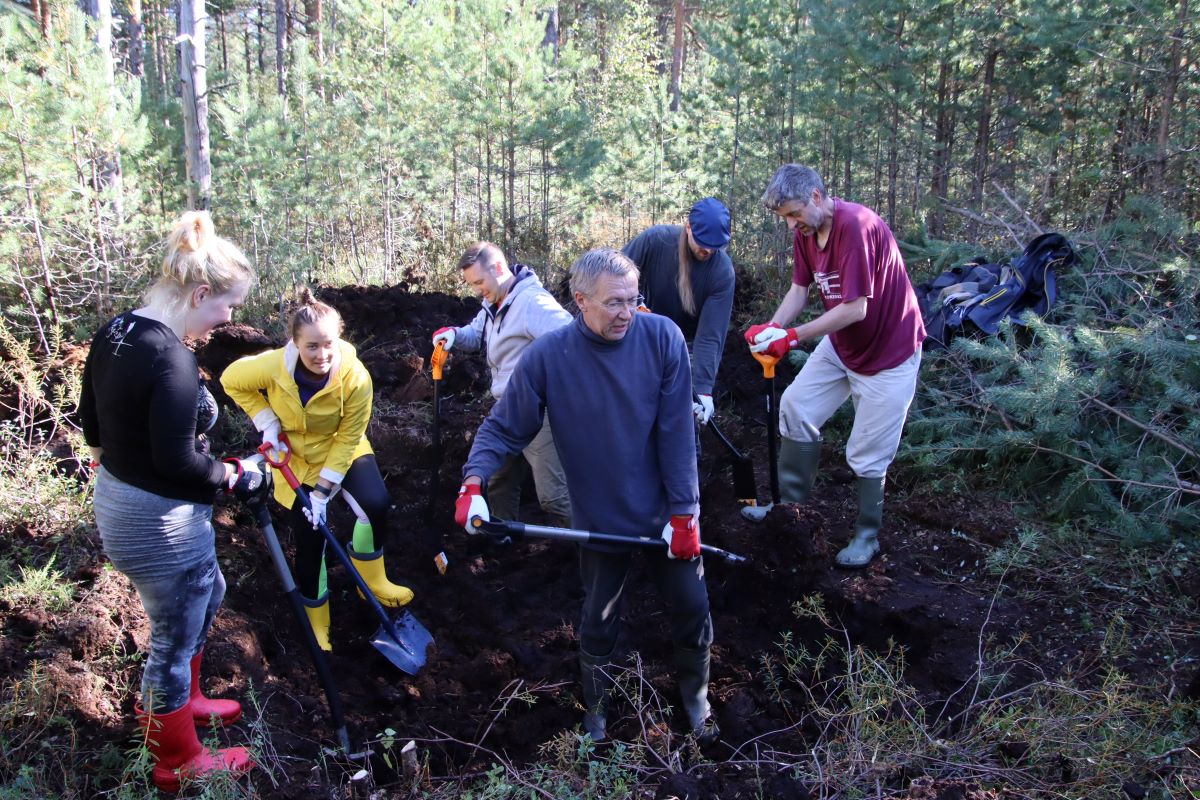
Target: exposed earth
<point x="500" y="684"/>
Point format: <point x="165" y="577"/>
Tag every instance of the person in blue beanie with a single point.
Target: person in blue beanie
<point x="620" y="380"/>
<point x="687" y="276"/>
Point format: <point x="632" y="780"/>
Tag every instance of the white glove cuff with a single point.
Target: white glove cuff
<point x="265" y="419"/>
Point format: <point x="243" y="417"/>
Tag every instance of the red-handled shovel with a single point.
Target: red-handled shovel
<point x="402" y="641"/>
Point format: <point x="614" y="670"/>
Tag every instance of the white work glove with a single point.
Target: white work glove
<point x="318" y="499"/>
<point x="271" y="436"/>
<point x="445" y="336"/>
<point x="703" y="408"/>
<point x="470" y="504"/>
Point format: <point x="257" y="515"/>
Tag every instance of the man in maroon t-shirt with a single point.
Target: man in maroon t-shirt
<point x="870" y="345"/>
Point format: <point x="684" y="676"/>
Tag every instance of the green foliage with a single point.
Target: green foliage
<point x="1090" y="418"/>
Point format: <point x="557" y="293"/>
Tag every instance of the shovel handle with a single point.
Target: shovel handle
<point x="266" y="450"/>
<point x="438" y="360"/>
<point x="768" y="362"/>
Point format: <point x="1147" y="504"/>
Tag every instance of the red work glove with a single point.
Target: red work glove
<point x="682" y="535"/>
<point x="754" y="330"/>
<point x="774" y="341"/>
<point x="470" y="504"/>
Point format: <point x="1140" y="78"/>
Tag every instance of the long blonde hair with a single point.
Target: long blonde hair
<point x="197" y="256"/>
<point x="683" y="279"/>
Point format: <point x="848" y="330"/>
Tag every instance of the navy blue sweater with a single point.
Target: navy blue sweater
<point x="621" y="414"/>
<point x="656" y="252"/>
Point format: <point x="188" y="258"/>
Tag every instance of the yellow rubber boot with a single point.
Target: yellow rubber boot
<point x="318" y="618"/>
<point x="387" y="593"/>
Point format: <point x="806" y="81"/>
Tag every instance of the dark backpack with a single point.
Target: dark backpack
<point x="980" y="295"/>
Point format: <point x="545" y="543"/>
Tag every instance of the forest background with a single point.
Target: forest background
<point x="348" y="141"/>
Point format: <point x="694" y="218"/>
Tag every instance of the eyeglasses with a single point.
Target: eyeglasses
<point x="616" y="306"/>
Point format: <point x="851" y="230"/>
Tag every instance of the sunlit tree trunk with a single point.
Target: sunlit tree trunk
<point x="194" y="86"/>
<point x="136" y="32"/>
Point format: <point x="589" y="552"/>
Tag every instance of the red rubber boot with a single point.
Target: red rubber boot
<point x="204" y="708"/>
<point x="178" y="754"/>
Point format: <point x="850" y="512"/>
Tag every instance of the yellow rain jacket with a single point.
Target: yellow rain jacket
<point x="326" y="435"/>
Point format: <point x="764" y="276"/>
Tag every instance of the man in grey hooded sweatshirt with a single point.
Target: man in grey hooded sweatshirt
<point x="516" y="310"/>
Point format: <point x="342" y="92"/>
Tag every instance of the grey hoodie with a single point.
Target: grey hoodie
<point x="527" y="312"/>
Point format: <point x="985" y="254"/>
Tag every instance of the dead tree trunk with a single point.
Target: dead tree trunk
<point x="194" y="84"/>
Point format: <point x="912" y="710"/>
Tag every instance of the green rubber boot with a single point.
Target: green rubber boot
<point x="798" y="463"/>
<point x="865" y="544"/>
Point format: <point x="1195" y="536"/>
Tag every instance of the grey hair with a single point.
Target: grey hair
<point x="792" y="182"/>
<point x="586" y="271"/>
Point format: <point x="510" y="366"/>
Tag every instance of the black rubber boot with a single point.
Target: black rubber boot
<point x="798" y="463"/>
<point x="692" y="668"/>
<point x="865" y="544"/>
<point x="596" y="676"/>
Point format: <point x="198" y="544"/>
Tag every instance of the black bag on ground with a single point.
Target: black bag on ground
<point x="980" y="295"/>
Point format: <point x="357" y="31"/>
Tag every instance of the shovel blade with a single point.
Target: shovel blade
<point x="407" y="650"/>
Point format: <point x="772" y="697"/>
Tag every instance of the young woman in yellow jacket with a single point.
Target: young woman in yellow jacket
<point x="317" y="392"/>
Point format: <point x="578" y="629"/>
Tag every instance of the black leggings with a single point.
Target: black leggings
<point x="362" y="487"/>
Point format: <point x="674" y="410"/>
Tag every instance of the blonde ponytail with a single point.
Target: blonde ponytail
<point x="197" y="256"/>
<point x="683" y="279"/>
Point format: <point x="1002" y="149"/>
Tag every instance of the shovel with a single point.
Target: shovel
<point x="744" y="487"/>
<point x="402" y="641"/>
<point x="500" y="528"/>
<point x="320" y="663"/>
<point x="437" y="360"/>
<point x="768" y="366"/>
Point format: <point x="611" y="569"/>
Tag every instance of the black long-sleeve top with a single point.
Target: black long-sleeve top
<point x="138" y="403"/>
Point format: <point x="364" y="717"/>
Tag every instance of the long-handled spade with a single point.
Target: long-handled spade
<point x="744" y="486"/>
<point x="516" y="530"/>
<point x="320" y="663"/>
<point x="402" y="641"/>
<point x="437" y="361"/>
<point x="768" y="366"/>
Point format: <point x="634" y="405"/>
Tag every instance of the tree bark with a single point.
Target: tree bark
<point x="551" y="38"/>
<point x="1164" y="117"/>
<point x="943" y="136"/>
<point x="984" y="129"/>
<point x="312" y="26"/>
<point x="194" y="85"/>
<point x="136" y="34"/>
<point x="281" y="29"/>
<point x="680" y="15"/>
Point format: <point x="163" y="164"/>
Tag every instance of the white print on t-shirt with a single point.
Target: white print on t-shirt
<point x="831" y="285"/>
<point x="116" y="334"/>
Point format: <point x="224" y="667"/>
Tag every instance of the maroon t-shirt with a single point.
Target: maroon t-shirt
<point x="861" y="259"/>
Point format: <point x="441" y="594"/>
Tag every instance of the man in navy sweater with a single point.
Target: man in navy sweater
<point x="616" y="387"/>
